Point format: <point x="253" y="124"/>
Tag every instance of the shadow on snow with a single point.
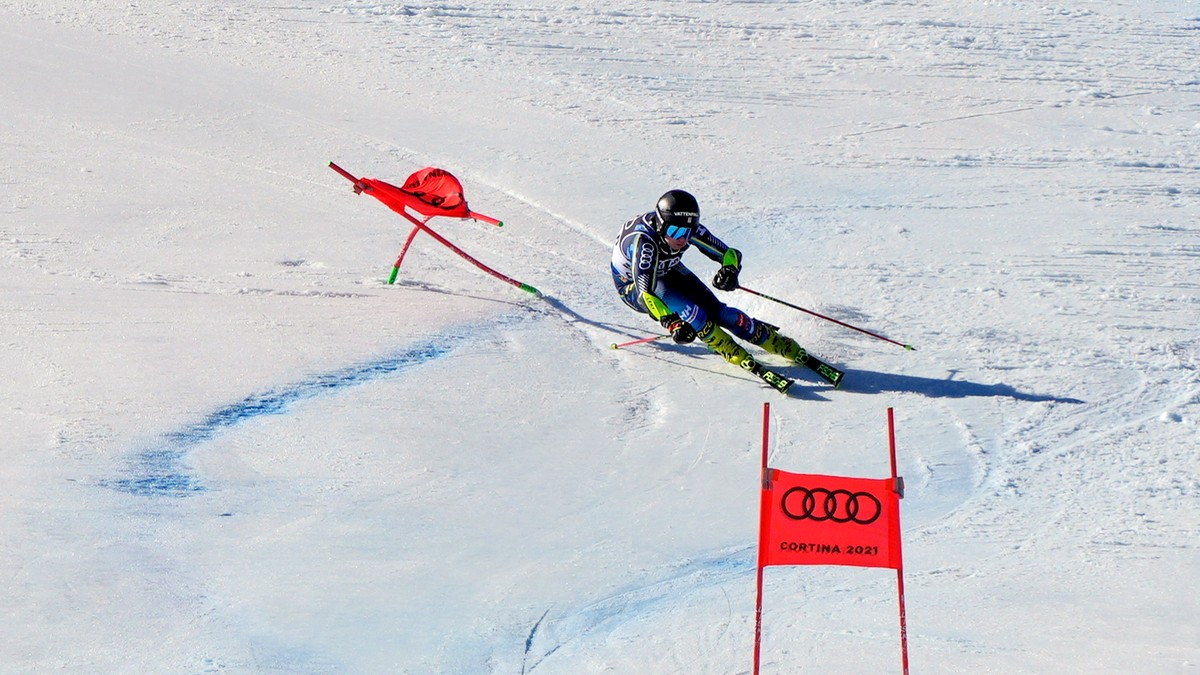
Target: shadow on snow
<point x="870" y="382"/>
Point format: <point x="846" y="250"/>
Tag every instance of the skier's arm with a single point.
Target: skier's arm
<point x="726" y="278"/>
<point x="715" y="249"/>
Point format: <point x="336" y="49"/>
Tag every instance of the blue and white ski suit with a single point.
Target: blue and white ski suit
<point x="652" y="279"/>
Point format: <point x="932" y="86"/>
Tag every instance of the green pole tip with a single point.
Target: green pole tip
<point x="500" y="224"/>
<point x="530" y="289"/>
<point x="910" y="348"/>
<point x="392" y="278"/>
<point x="613" y="346"/>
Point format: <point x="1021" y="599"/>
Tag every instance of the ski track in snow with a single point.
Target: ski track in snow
<point x="161" y="470"/>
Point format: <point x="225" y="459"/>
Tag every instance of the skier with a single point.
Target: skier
<point x="650" y="276"/>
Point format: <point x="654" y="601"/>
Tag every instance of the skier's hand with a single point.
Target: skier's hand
<point x="680" y="330"/>
<point x="726" y="278"/>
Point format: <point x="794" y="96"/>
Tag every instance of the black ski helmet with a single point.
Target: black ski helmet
<point x="677" y="208"/>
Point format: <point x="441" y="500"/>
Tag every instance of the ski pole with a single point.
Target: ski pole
<point x="652" y="338"/>
<point x="822" y="316"/>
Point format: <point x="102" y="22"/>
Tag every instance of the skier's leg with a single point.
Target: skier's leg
<point x="678" y="299"/>
<point x="738" y="323"/>
<point x="720" y="342"/>
<point x="769" y="338"/>
<point x="686" y="284"/>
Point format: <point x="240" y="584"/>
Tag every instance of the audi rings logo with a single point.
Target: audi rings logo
<point x="839" y="506"/>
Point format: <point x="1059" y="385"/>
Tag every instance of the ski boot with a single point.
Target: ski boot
<point x="769" y="338"/>
<point x="720" y="342"/>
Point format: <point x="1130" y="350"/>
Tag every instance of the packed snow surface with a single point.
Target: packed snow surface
<point x="230" y="446"/>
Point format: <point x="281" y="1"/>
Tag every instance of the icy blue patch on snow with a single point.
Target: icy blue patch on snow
<point x="157" y="471"/>
<point x="161" y="471"/>
<point x="601" y="618"/>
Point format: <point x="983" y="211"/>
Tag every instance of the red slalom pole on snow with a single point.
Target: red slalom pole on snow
<point x="443" y="198"/>
<point x="827" y="318"/>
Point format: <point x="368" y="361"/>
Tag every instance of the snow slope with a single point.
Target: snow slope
<point x="231" y="447"/>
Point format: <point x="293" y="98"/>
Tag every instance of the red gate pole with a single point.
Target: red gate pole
<point x="360" y="187"/>
<point x="763" y="509"/>
<point x="896" y="485"/>
<point x="465" y="256"/>
<point x="407" y="242"/>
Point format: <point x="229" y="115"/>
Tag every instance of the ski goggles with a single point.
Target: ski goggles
<point x="678" y="231"/>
